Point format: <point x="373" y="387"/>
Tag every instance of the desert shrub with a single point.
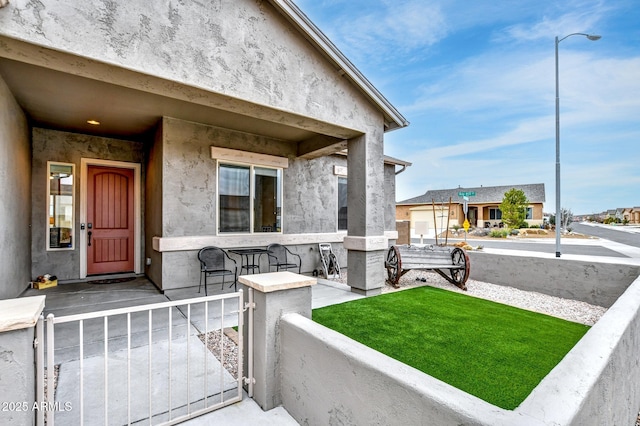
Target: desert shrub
<point x="514" y="232"/>
<point x="499" y="233"/>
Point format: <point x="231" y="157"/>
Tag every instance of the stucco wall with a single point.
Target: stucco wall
<point x="598" y="381"/>
<point x="328" y="378"/>
<point x="190" y="174"/>
<point x="189" y="201"/>
<point x="311" y="195"/>
<point x="243" y="48"/>
<point x="17" y="376"/>
<point x="15" y="186"/>
<point x="50" y="145"/>
<point x="153" y="206"/>
<point x="389" y="197"/>
<point x="249" y="59"/>
<point x="597" y="283"/>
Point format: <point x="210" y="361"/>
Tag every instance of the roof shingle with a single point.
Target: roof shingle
<point x="484" y="194"/>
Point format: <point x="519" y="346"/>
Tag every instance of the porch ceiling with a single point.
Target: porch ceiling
<point x="129" y="105"/>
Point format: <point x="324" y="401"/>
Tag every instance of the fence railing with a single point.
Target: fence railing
<point x="161" y="363"/>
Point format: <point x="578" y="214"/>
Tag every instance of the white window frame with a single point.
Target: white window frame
<point x="73" y="207"/>
<point x="251" y="196"/>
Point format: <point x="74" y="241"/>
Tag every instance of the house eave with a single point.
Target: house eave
<point x="393" y="119"/>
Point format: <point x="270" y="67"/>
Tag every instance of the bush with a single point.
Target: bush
<point x="525" y="225"/>
<point x="610" y="219"/>
<point x="499" y="233"/>
<point x="456" y="227"/>
<point x="514" y="232"/>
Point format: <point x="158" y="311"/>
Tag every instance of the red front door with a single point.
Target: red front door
<point x="110" y="221"/>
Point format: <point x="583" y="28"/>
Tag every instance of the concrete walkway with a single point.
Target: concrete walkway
<point x="78" y="298"/>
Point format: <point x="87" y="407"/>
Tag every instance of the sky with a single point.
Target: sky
<point x="476" y="80"/>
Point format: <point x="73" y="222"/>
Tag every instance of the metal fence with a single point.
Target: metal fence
<point x="151" y="364"/>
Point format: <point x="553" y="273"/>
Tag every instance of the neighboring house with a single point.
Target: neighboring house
<point x="634" y="215"/>
<point x="134" y="133"/>
<point x="438" y="209"/>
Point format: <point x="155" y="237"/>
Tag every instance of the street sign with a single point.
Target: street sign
<point x="466" y="225"/>
<point x="466" y="194"/>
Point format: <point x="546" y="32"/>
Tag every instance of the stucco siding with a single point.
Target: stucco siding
<point x="154" y="206"/>
<point x="51" y="145"/>
<point x="15" y="185"/>
<point x="244" y="49"/>
<point x="390" y="197"/>
<point x="311" y="196"/>
<point x="189" y="181"/>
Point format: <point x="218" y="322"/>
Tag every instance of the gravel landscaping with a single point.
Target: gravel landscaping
<point x="570" y="310"/>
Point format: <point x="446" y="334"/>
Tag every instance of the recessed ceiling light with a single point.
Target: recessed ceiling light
<point x="93" y="122"/>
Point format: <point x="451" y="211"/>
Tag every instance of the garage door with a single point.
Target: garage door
<point x="426" y="215"/>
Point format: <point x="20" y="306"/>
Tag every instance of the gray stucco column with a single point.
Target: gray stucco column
<point x="274" y="294"/>
<point x="365" y="241"/>
<point x="18" y="318"/>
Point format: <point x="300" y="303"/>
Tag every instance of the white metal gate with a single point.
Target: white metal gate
<point x="151" y="364"/>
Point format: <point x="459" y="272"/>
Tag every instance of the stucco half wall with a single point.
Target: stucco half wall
<point x="596" y="282"/>
<point x="328" y="378"/>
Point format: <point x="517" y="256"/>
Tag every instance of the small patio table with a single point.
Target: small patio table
<point x="244" y="255"/>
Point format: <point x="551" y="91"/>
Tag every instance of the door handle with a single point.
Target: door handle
<point x="89" y="234"/>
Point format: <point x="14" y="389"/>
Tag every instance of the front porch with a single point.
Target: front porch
<point x="84" y="297"/>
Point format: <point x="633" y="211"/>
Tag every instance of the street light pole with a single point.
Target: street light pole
<point x="558" y="221"/>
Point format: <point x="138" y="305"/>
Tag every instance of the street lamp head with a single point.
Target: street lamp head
<point x="592" y="37"/>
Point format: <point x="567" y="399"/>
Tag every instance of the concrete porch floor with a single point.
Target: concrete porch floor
<point x="83" y="297"/>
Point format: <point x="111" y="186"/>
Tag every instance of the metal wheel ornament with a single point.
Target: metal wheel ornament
<point x="333" y="262"/>
<point x="461" y="259"/>
<point x="394" y="266"/>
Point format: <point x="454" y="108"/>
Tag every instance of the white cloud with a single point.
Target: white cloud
<point x="476" y="80"/>
<point x="380" y="31"/>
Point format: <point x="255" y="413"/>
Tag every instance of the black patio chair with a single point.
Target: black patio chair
<point x="281" y="257"/>
<point x="215" y="262"/>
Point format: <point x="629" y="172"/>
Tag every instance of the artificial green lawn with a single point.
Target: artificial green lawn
<point x="496" y="352"/>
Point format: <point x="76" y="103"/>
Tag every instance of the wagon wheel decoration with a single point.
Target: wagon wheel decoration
<point x="461" y="259"/>
<point x="394" y="266"/>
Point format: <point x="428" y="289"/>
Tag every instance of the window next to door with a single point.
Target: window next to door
<point x="60" y="205"/>
<point x="249" y="198"/>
